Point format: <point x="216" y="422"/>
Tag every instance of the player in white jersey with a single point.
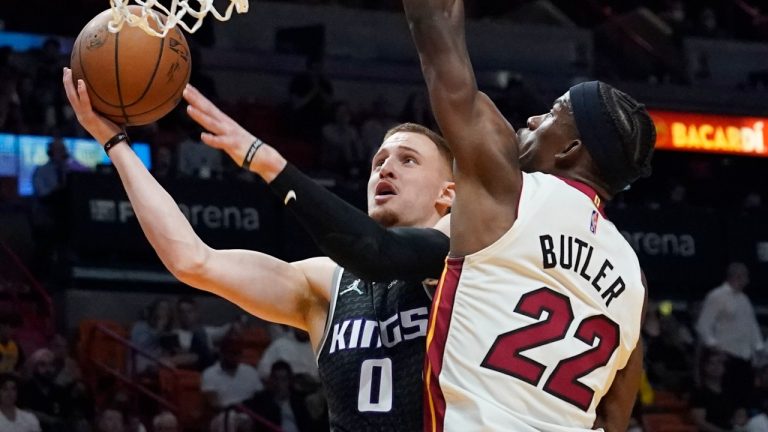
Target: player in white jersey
<point x="536" y="323"/>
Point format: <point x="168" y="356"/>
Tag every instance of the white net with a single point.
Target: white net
<point x="179" y="8"/>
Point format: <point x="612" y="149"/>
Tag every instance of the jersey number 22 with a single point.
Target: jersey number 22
<point x="505" y="353"/>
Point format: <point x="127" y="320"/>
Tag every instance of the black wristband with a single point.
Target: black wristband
<point x="251" y="153"/>
<point x="115" y="140"/>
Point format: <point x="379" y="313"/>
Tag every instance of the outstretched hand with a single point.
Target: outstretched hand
<point x="99" y="127"/>
<point x="222" y="132"/>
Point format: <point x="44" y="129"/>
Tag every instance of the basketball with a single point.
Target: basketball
<point x="132" y="78"/>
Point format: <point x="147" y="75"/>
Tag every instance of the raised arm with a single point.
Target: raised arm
<point x="264" y="286"/>
<point x="344" y="233"/>
<point x="484" y="144"/>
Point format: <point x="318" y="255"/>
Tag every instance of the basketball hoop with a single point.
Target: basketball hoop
<point x="150" y="18"/>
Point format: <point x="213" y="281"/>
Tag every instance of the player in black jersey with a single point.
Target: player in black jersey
<point x="368" y="332"/>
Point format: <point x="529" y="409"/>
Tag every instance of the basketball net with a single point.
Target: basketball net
<point x="179" y="8"/>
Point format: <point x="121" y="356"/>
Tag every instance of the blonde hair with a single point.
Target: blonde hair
<point x="437" y="139"/>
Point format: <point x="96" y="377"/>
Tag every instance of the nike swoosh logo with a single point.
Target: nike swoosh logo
<point x="291" y="195"/>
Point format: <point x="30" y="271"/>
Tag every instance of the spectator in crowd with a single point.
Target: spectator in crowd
<point x="165" y="422"/>
<point x="11" y="118"/>
<point x="51" y="177"/>
<point x="193" y="349"/>
<point x="712" y="410"/>
<point x="707" y="25"/>
<point x="727" y="323"/>
<point x="311" y="95"/>
<point x="67" y="370"/>
<point x="293" y="349"/>
<point x="676" y="16"/>
<point x="51" y="205"/>
<point x="69" y="379"/>
<point x="279" y="404"/>
<point x="133" y="424"/>
<point x="47" y="90"/>
<point x="228" y="381"/>
<point x="13" y="419"/>
<point x="668" y="349"/>
<point x="759" y="420"/>
<point x="154" y="334"/>
<point x="231" y="420"/>
<point x="11" y="354"/>
<point x="343" y="152"/>
<point x="41" y="395"/>
<point x="753" y="202"/>
<point x="110" y="420"/>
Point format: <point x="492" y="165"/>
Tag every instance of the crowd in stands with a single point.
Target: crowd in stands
<point x="337" y="137"/>
<point x="705" y="361"/>
<point x="688" y="17"/>
<point x="709" y="360"/>
<point x="242" y="384"/>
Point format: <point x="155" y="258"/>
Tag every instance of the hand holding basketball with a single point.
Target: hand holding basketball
<point x="96" y="125"/>
<point x="132" y="78"/>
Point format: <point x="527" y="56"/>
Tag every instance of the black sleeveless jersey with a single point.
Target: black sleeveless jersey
<point x="372" y="355"/>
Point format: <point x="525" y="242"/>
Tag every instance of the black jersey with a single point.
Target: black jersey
<point x="372" y="355"/>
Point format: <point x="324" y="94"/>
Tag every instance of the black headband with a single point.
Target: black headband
<point x="599" y="134"/>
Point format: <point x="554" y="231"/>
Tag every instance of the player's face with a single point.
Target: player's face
<point x="408" y="178"/>
<point x="546" y="135"/>
<point x="8" y="394"/>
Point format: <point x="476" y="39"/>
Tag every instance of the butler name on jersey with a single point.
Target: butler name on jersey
<point x="528" y="333"/>
<point x="372" y="354"/>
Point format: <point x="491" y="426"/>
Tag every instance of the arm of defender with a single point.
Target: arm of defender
<point x="265" y="286"/>
<point x="615" y="409"/>
<point x="344" y="233"/>
<point x="484" y="144"/>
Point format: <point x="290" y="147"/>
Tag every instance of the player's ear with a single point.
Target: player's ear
<point x="445" y="199"/>
<point x="570" y="154"/>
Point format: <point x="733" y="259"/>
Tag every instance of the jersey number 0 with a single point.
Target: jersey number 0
<point x="505" y="353"/>
<point x="375" y="391"/>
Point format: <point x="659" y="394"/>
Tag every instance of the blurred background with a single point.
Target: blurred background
<point x="81" y="291"/>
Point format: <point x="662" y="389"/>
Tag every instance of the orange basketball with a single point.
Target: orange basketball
<point x="132" y="78"/>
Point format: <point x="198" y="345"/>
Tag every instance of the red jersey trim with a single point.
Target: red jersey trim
<point x="440" y="321"/>
<point x="589" y="192"/>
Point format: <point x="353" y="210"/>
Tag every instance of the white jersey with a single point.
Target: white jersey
<point x="528" y="334"/>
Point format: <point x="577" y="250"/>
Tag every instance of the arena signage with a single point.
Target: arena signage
<point x="225" y="214"/>
<point x="707" y="133"/>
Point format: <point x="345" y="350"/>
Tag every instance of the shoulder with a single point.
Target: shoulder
<point x="140" y="327"/>
<point x="210" y="371"/>
<point x="247" y="370"/>
<point x="717" y="292"/>
<point x="28" y="417"/>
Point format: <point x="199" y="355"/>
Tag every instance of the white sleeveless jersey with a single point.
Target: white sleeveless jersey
<point x="528" y="334"/>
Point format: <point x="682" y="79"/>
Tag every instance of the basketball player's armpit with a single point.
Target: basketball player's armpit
<point x="354" y="240"/>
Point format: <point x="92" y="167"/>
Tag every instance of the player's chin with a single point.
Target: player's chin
<point x="384" y="215"/>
